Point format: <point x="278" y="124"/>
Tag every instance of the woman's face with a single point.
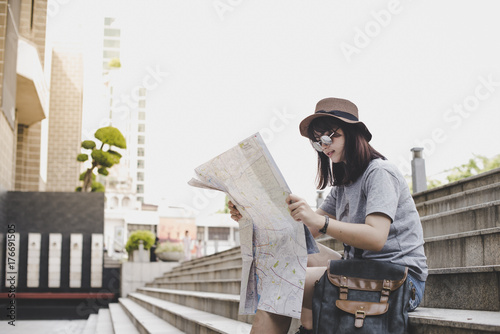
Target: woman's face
<point x="335" y="150"/>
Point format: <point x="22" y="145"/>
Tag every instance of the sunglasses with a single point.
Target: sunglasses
<point x="323" y="140"/>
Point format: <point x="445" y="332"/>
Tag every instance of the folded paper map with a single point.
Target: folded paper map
<point x="274" y="247"/>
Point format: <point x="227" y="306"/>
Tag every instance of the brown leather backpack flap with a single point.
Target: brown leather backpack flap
<point x="366" y="284"/>
<point x="361" y="309"/>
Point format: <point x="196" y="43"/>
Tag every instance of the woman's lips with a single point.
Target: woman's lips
<point x="329" y="154"/>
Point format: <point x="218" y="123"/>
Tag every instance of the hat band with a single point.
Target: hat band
<point x="339" y="113"/>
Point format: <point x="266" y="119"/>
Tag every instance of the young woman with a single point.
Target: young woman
<point x="369" y="209"/>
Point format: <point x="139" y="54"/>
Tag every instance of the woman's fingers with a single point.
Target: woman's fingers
<point x="235" y="213"/>
<point x="298" y="207"/>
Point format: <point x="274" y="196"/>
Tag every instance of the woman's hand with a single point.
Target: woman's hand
<point x="302" y="212"/>
<point x="235" y="213"/>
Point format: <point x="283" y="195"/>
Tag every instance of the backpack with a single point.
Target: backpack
<point x="361" y="296"/>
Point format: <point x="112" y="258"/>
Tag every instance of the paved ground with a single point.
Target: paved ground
<point x="43" y="327"/>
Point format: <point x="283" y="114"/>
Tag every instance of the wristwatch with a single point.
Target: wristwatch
<point x="323" y="230"/>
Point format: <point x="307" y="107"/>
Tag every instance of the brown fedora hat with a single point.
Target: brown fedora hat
<point x="341" y="109"/>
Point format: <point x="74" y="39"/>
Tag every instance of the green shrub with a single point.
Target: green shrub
<point x="147" y="237"/>
<point x="88" y="144"/>
<point x="167" y="246"/>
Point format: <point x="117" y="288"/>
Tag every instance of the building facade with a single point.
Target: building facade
<point x="65" y="122"/>
<point x="23" y="93"/>
<point x="126" y="110"/>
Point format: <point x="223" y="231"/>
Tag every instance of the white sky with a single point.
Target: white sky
<point x="262" y="66"/>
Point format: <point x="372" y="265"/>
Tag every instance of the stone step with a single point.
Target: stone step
<point x="188" y="319"/>
<point x="468" y="288"/>
<point x="451" y="321"/>
<point x="473" y="182"/>
<point x="485" y="194"/>
<point x="472" y="218"/>
<point x="104" y="325"/>
<point x="474" y="248"/>
<point x="231" y="286"/>
<point x="212" y="264"/>
<point x="212" y="257"/>
<point x="446" y="287"/>
<point x="120" y="320"/>
<point x="331" y="243"/>
<point x="144" y="320"/>
<point x="224" y="273"/>
<point x="90" y="325"/>
<point x="222" y="304"/>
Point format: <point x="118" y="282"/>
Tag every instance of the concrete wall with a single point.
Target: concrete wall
<point x="76" y="266"/>
<point x="136" y="274"/>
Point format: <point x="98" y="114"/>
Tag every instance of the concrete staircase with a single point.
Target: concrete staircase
<point x="461" y="223"/>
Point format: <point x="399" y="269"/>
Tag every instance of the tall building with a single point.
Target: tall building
<point x="111" y="43"/>
<point x="126" y="110"/>
<point x="65" y="122"/>
<point x="23" y="93"/>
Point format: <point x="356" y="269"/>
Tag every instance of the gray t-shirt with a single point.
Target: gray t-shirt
<point x="382" y="188"/>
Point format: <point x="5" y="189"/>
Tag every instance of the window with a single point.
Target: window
<point x="142" y="104"/>
<point x="110" y="32"/>
<point x="140" y="151"/>
<point x="218" y="233"/>
<point x="142" y="128"/>
<point x="140" y="176"/>
<point x="114" y="203"/>
<point x="108" y="21"/>
<point x="125" y="202"/>
<point x="200" y="233"/>
<point x="140" y="164"/>
<point x="109" y="54"/>
<point x="141" y="140"/>
<point x="142" y="115"/>
<point x="140" y="189"/>
<point x="111" y="43"/>
<point x="32" y="11"/>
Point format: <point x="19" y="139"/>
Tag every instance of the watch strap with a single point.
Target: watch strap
<point x="323" y="229"/>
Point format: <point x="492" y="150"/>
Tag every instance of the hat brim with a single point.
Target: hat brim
<point x="304" y="125"/>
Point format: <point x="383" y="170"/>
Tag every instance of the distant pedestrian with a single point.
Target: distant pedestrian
<point x="198" y="246"/>
<point x="152" y="251"/>
<point x="187" y="246"/>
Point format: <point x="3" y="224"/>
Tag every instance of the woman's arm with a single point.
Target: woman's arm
<point x="371" y="235"/>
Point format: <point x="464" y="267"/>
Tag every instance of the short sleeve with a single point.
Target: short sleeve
<point x="382" y="193"/>
<point x="330" y="202"/>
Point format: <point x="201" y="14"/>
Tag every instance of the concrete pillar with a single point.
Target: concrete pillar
<point x="55" y="253"/>
<point x="319" y="199"/>
<point x="418" y="176"/>
<point x="75" y="260"/>
<point x="33" y="270"/>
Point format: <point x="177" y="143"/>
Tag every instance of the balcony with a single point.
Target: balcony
<point x="32" y="95"/>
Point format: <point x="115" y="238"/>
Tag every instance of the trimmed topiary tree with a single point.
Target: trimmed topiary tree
<point x="101" y="159"/>
<point x="134" y="240"/>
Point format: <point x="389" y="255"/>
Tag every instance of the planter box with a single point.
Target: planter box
<point x="170" y="256"/>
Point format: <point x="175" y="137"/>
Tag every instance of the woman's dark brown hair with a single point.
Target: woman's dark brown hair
<point x="357" y="153"/>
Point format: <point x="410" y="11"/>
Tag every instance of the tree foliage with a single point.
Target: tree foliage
<point x="103" y="157"/>
<point x="226" y="206"/>
<point x="134" y="240"/>
<point x="476" y="165"/>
